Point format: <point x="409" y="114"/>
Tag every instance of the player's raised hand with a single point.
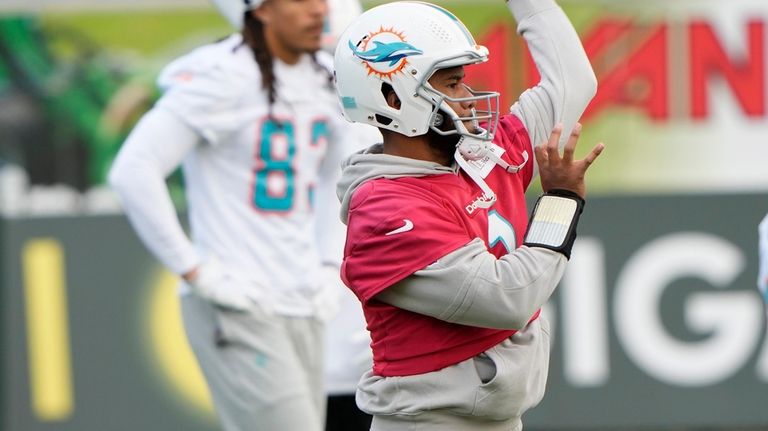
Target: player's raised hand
<point x="563" y="172"/>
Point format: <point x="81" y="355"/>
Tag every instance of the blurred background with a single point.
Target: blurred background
<point x="657" y="323"/>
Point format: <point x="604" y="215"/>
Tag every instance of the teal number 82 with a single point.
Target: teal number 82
<point x="276" y="164"/>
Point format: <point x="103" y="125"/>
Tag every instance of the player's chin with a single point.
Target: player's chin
<point x="470" y="126"/>
<point x="312" y="43"/>
<point x="311" y="49"/>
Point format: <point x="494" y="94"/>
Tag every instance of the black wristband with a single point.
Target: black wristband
<point x="553" y="221"/>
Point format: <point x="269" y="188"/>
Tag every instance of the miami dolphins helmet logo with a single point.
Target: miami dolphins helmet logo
<point x="384" y="52"/>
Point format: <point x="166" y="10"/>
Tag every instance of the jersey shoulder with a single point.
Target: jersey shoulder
<point x="513" y="137"/>
<point x="398" y="228"/>
<point x="379" y="204"/>
<point x="217" y="70"/>
<point x="405" y="191"/>
<point x="214" y="88"/>
<point x="513" y="132"/>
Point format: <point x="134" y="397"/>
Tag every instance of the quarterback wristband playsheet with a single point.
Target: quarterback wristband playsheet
<point x="553" y="221"/>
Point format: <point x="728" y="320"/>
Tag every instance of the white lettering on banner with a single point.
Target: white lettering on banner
<point x="733" y="318"/>
<point x="762" y="362"/>
<point x="584" y="314"/>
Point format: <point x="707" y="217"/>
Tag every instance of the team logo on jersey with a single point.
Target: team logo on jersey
<point x="384" y="52"/>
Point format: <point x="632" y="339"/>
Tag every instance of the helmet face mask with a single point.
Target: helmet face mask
<point x="403" y="44"/>
<point x="486" y="115"/>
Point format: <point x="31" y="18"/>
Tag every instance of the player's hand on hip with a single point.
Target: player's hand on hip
<point x="213" y="282"/>
<point x="562" y="171"/>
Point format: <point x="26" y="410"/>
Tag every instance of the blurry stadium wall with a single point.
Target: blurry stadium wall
<point x="657" y="323"/>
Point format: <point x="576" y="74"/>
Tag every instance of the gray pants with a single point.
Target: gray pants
<point x="489" y="392"/>
<point x="264" y="372"/>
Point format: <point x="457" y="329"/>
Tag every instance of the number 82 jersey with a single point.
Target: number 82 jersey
<point x="252" y="179"/>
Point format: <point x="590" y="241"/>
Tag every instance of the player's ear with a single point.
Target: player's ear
<point x="390" y="96"/>
<point x="263" y="13"/>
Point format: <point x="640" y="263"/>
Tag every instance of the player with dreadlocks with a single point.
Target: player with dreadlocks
<point x="254" y="122"/>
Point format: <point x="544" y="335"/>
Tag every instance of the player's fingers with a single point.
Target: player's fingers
<point x="554" y="141"/>
<point x="541" y="155"/>
<point x="570" y="146"/>
<point x="590" y="158"/>
<point x="554" y="136"/>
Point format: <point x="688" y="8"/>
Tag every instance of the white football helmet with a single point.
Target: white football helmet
<point x="402" y="44"/>
<point x="341" y="13"/>
<point x="233" y="10"/>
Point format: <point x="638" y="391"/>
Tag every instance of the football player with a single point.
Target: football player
<point x="450" y="272"/>
<point x="254" y="122"/>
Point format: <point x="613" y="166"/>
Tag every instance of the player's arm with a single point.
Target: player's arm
<point x="329" y="230"/>
<point x="200" y="95"/>
<point x="470" y="286"/>
<point x="567" y="81"/>
<point x="152" y="151"/>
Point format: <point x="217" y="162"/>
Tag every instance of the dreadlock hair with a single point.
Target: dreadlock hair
<point x="253" y="37"/>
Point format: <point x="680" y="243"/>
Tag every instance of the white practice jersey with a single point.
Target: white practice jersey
<point x="251" y="182"/>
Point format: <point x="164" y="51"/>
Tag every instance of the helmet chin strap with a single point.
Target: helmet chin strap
<point x="471" y="148"/>
<point x="477" y="149"/>
<point x="512" y="169"/>
<point x="488" y="194"/>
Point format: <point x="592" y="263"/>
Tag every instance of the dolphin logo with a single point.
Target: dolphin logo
<point x="382" y="52"/>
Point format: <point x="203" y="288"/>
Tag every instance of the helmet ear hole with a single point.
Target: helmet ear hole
<point x="390" y="96"/>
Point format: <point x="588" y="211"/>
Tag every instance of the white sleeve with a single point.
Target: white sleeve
<point x="567" y="81"/>
<point x="762" y="277"/>
<point x="470" y="286"/>
<point x="329" y="230"/>
<point x="152" y="151"/>
<point x="346" y="139"/>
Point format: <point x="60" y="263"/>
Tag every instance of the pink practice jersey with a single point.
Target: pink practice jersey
<point x="399" y="226"/>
